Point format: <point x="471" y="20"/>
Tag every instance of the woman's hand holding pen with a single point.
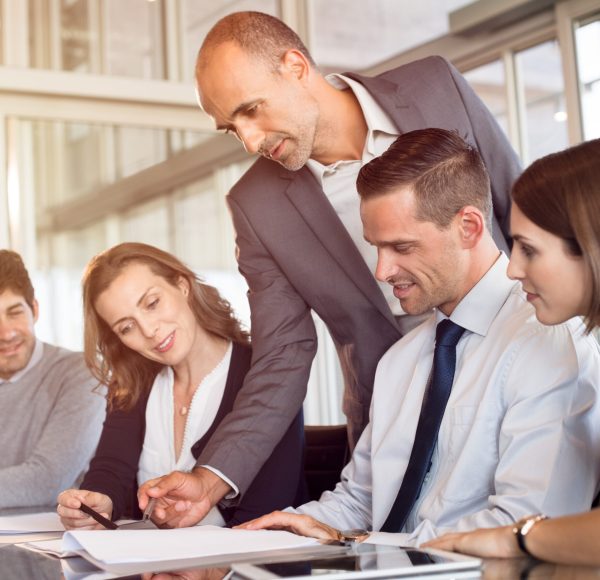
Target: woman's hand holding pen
<point x="69" y="502"/>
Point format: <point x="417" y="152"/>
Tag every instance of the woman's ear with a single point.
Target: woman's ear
<point x="183" y="285"/>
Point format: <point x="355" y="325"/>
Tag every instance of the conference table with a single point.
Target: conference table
<point x="18" y="563"/>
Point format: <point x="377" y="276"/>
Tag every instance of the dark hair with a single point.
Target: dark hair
<point x="444" y="172"/>
<point x="258" y="34"/>
<point x="14" y="276"/>
<point x="127" y="373"/>
<point x="560" y="193"/>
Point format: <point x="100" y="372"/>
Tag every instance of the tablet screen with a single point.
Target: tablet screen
<point x="361" y="559"/>
<point x="348" y="563"/>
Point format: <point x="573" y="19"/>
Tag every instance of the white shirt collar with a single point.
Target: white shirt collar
<point x="477" y="310"/>
<point x="36" y="356"/>
<point x="376" y="118"/>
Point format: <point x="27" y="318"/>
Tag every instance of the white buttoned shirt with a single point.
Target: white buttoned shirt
<point x="520" y="434"/>
<point x="338" y="179"/>
<point x="158" y="453"/>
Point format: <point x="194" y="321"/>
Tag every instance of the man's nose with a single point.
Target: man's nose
<point x="385" y="267"/>
<point x="250" y="137"/>
<point x="7" y="331"/>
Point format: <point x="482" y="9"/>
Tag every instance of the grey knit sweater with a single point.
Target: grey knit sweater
<point x="50" y="423"/>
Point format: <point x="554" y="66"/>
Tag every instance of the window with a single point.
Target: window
<point x="542" y="98"/>
<point x="132" y="39"/>
<point x="1" y="35"/>
<point x="489" y="82"/>
<point x="148" y="223"/>
<point x="115" y="37"/>
<point x="70" y="160"/>
<point x="197" y="18"/>
<point x="587" y="40"/>
<point x="537" y="123"/>
<point x="354" y="34"/>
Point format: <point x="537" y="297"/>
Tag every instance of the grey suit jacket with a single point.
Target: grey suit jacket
<point x="297" y="256"/>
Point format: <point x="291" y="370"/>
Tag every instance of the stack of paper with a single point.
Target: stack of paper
<point x="31" y="523"/>
<point x="29" y="527"/>
<point x="124" y="551"/>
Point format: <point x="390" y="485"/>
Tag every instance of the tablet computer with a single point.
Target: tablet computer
<point x="365" y="561"/>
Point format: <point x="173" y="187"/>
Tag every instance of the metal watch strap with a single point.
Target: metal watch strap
<point x="523" y="527"/>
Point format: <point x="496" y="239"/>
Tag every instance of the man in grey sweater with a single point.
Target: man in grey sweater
<point x="50" y="415"/>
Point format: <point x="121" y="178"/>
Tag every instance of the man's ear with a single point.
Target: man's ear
<point x="296" y="64"/>
<point x="36" y="310"/>
<point x="471" y="225"/>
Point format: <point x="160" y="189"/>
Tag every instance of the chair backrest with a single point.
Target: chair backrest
<point x="326" y="455"/>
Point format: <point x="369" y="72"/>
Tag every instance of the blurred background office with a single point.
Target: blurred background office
<point x="101" y="140"/>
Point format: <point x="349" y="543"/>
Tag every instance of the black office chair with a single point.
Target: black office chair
<point x="326" y="454"/>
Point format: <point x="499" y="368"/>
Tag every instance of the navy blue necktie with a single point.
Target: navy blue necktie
<point x="447" y="335"/>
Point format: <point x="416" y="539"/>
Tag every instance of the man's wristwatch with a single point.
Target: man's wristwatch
<point x="523" y="527"/>
<point x="354" y="535"/>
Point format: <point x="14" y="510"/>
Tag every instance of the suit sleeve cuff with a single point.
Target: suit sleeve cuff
<point x="234" y="488"/>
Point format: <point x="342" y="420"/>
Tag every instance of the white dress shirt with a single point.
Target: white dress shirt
<point x="520" y="434"/>
<point x="338" y="180"/>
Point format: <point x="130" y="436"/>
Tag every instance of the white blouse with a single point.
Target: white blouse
<point x="158" y="453"/>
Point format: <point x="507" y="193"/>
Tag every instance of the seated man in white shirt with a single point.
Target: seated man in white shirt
<point x="50" y="414"/>
<point x="522" y="419"/>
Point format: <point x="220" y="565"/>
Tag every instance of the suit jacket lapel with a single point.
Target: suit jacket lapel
<point x="312" y="204"/>
<point x="395" y="101"/>
<point x="398" y="101"/>
<point x="314" y="207"/>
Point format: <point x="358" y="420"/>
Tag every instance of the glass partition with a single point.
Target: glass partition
<point x="354" y="34"/>
<point x="587" y="40"/>
<point x="489" y="82"/>
<point x="114" y="37"/>
<point x="133" y="43"/>
<point x="1" y="35"/>
<point x="197" y="18"/>
<point x="542" y="96"/>
<point x="70" y="160"/>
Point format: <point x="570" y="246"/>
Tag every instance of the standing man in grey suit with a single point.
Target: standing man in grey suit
<point x="299" y="235"/>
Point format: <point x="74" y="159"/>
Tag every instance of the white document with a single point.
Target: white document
<point x="123" y="546"/>
<point x="80" y="569"/>
<point x="110" y="549"/>
<point x="22" y="538"/>
<point x="52" y="547"/>
<point x="387" y="539"/>
<point x="31" y="523"/>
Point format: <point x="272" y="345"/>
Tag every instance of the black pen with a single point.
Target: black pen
<point x="100" y="519"/>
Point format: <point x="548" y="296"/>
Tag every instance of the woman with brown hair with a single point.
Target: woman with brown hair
<point x="173" y="358"/>
<point x="555" y="223"/>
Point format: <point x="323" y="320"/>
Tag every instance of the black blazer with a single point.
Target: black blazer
<point x="113" y="470"/>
